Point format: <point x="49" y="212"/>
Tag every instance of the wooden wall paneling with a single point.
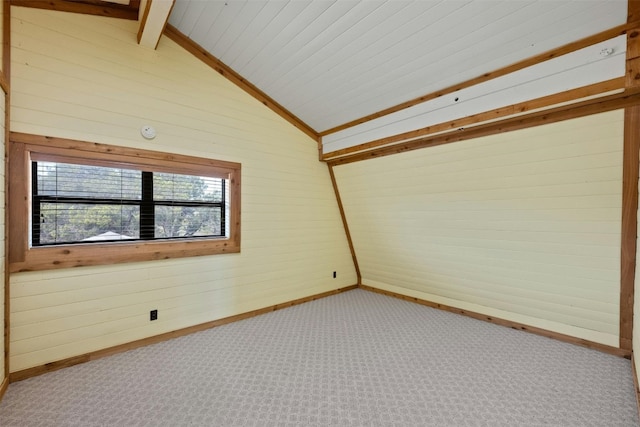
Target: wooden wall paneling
<point x="99" y="88"/>
<point x="522" y="226"/>
<point x="71" y="361"/>
<point x="200" y="53"/>
<point x="6" y="73"/>
<point x="562" y="50"/>
<point x="493" y="115"/>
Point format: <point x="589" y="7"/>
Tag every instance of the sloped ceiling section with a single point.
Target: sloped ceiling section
<point x="332" y="62"/>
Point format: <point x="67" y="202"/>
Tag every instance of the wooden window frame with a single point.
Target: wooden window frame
<point x="22" y="257"/>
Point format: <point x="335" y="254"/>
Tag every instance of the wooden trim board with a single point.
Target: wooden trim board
<point x="630" y="159"/>
<point x="202" y="54"/>
<point x="54" y="366"/>
<point x="636" y="385"/>
<point x="6" y="71"/>
<point x="143" y="20"/>
<point x="629" y="222"/>
<point x="334" y="183"/>
<point x="508" y="323"/>
<point x="4" y="83"/>
<point x="3" y="387"/>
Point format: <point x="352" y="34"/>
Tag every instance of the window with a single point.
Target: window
<point x="90" y="204"/>
<point x="73" y="203"/>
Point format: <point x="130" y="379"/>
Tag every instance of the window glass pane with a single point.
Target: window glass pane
<point x="183" y="221"/>
<point x="68" y="180"/>
<point x="77" y="222"/>
<point x="182" y="188"/>
<point x="81" y="203"/>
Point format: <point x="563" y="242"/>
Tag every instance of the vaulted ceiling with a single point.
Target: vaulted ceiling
<point x="359" y="73"/>
<point x="332" y="62"/>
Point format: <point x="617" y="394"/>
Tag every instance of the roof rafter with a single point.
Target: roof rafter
<point x="154" y="15"/>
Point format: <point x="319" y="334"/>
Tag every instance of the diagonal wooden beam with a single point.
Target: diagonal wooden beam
<point x="345" y="224"/>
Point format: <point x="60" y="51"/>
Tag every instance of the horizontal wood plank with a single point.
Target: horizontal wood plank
<point x="523" y="224"/>
<point x="247" y="86"/>
<point x="71" y="361"/>
<point x="100" y="88"/>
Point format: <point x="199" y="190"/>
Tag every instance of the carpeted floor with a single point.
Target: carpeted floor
<point x="353" y="359"/>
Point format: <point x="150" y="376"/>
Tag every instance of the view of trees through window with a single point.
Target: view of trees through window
<point x="82" y="203"/>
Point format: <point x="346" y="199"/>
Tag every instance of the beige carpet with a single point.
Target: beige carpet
<point x="353" y="359"/>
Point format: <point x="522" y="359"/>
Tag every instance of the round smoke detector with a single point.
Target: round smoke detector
<point x="148" y="132"/>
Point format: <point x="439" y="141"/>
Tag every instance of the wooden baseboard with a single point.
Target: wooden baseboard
<point x="54" y="366"/>
<point x="508" y="323"/>
<point x="636" y="385"/>
<point x="3" y="387"/>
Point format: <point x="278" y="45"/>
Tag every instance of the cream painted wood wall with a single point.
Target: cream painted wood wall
<point x="2" y="225"/>
<point x="2" y="210"/>
<point x="84" y="77"/>
<point x="523" y="226"/>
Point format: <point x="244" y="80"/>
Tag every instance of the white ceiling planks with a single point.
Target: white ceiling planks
<point x="577" y="69"/>
<point x="331" y="62"/>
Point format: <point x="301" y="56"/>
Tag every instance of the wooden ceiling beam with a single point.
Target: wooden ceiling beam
<point x="628" y="98"/>
<point x="89" y="7"/>
<point x="154" y="16"/>
<point x="545" y="102"/>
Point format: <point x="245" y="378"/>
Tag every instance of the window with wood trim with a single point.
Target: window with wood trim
<point x="74" y="203"/>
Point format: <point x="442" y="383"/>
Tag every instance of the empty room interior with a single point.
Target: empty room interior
<point x="320" y="212"/>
